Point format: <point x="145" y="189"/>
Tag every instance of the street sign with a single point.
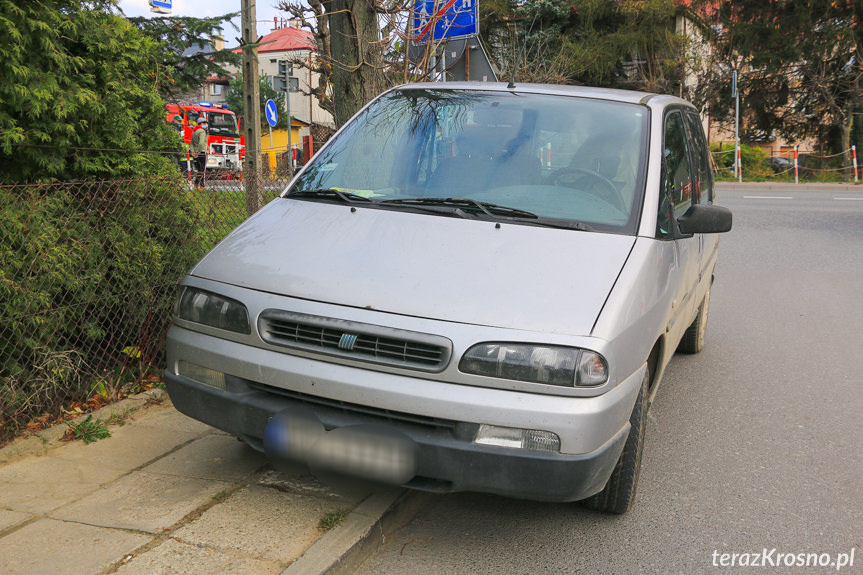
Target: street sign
<point x="160" y="6"/>
<point x="466" y="60"/>
<point x="272" y="113"/>
<point x="439" y="19"/>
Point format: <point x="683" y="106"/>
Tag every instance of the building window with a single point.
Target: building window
<point x="215" y="89"/>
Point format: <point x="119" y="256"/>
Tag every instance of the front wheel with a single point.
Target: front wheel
<point x="693" y="338"/>
<point x="619" y="493"/>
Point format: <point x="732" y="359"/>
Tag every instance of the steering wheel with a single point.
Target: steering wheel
<point x="598" y="184"/>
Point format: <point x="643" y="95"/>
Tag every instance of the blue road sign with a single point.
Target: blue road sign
<point x="439" y="19"/>
<point x="272" y="113"/>
<point x="161" y="3"/>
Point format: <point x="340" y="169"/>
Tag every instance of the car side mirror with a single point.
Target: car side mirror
<point x="704" y="219"/>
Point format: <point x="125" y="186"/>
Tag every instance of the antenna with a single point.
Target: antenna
<point x="511" y="84"/>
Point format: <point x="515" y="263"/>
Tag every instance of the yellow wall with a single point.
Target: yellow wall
<point x="280" y="143"/>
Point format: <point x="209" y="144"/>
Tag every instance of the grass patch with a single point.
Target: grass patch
<point x="119" y="419"/>
<point x="89" y="430"/>
<point x="221" y="496"/>
<point x="331" y="519"/>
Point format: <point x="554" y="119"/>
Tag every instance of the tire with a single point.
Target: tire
<point x="693" y="337"/>
<point x="619" y="493"/>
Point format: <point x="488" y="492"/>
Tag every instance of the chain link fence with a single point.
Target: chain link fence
<point x="88" y="276"/>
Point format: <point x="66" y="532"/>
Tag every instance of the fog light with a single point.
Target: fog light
<point x="203" y="375"/>
<point x="517" y="438"/>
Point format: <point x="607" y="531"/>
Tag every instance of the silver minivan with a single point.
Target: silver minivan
<point x="471" y="287"/>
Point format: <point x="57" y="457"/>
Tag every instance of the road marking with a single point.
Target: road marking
<point x="767" y="198"/>
<point x="849" y="199"/>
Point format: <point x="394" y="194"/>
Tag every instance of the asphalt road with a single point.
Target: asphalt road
<point x="754" y="445"/>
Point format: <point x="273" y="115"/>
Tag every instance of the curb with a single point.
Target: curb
<point x="41" y="442"/>
<point x="365" y="530"/>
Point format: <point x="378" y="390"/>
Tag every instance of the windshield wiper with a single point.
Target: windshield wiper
<point x="329" y="193"/>
<point x="494" y="211"/>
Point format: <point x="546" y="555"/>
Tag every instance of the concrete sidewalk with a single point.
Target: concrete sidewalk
<point x="166" y="494"/>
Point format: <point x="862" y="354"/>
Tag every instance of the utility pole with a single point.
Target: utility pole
<point x="286" y="71"/>
<point x="252" y="105"/>
<point x="290" y="127"/>
<point x="735" y="93"/>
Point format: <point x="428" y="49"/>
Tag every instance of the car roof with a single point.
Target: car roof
<point x="627" y="96"/>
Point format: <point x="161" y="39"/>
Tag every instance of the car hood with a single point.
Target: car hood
<point x="444" y="268"/>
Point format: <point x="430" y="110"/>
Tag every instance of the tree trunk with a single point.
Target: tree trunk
<point x="356" y="56"/>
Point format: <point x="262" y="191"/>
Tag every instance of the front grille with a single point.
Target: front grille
<point x="353" y="408"/>
<point x="230" y="149"/>
<point x="359" y="341"/>
<point x="217" y="148"/>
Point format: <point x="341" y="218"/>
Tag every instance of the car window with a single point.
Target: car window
<point x="559" y="157"/>
<point x="703" y="192"/>
<point x="677" y="182"/>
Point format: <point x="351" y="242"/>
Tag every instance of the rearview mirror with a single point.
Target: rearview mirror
<point x="705" y="219"/>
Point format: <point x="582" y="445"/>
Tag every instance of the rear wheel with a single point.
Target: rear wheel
<point x="619" y="492"/>
<point x="693" y="338"/>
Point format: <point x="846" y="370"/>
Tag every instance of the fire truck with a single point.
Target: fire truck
<point x="226" y="147"/>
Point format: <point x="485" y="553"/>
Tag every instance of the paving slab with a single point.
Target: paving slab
<point x="130" y="447"/>
<point x="166" y="417"/>
<point x="50" y="547"/>
<point x="11" y="518"/>
<point x="219" y="457"/>
<point x="262" y="521"/>
<point x="39" y="485"/>
<point x="298" y="479"/>
<point x="177" y="558"/>
<point x="143" y="501"/>
<point x="168" y="495"/>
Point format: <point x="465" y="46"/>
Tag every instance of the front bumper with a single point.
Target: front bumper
<point x="441" y="426"/>
<point x="223" y="162"/>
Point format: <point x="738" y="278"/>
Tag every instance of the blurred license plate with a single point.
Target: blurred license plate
<point x="368" y="451"/>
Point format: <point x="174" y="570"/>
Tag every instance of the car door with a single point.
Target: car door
<point x="676" y="196"/>
<point x="708" y="244"/>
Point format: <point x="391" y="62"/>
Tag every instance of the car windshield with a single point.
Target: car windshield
<point x="541" y="157"/>
<point x="220" y="123"/>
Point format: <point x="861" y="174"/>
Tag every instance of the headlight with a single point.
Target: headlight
<point x="213" y="310"/>
<point x="548" y="364"/>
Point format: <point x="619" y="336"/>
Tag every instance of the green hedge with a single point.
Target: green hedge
<point x="88" y="274"/>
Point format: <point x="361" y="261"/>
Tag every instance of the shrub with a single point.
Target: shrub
<point x="752" y="158"/>
<point x="87" y="270"/>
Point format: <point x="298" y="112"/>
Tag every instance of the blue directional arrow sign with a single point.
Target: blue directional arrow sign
<point x="439" y="19"/>
<point x="272" y="113"/>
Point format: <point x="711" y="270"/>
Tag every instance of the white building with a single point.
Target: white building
<point x="290" y="44"/>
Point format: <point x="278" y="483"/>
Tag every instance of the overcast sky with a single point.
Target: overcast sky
<point x="265" y="10"/>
